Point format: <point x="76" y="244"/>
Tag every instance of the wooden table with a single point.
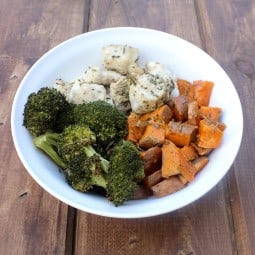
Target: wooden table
<point x="220" y="223"/>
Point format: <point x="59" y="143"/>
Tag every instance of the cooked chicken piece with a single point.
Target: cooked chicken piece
<point x="95" y="75"/>
<point x="121" y="58"/>
<point x="119" y="92"/>
<point x="62" y="87"/>
<point x="86" y="92"/>
<point x="148" y="93"/>
<point x="158" y="69"/>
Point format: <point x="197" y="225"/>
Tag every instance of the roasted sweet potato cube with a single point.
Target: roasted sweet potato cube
<point x="199" y="163"/>
<point x="142" y="192"/>
<point x="183" y="86"/>
<point x="201" y="151"/>
<point x="209" y="134"/>
<point x="186" y="88"/>
<point x="170" y="160"/>
<point x="154" y="135"/>
<point x="189" y="152"/>
<point x="167" y="186"/>
<point x="162" y="114"/>
<point x="193" y="113"/>
<point x="203" y="90"/>
<point x="210" y="112"/>
<point x="180" y="108"/>
<point x="181" y="134"/>
<point x="152" y="159"/>
<point x="174" y="162"/>
<point x="152" y="179"/>
<point x="134" y="130"/>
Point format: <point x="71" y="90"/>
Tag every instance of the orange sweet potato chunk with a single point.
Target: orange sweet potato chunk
<point x="152" y="179"/>
<point x="162" y="114"/>
<point x="174" y="162"/>
<point x="189" y="152"/>
<point x="134" y="131"/>
<point x="180" y="108"/>
<point x="181" y="134"/>
<point x="203" y="90"/>
<point x="193" y="113"/>
<point x="199" y="163"/>
<point x="210" y="112"/>
<point x="152" y="159"/>
<point x="186" y="88"/>
<point x="154" y="135"/>
<point x="209" y="135"/>
<point x="167" y="186"/>
<point x="170" y="160"/>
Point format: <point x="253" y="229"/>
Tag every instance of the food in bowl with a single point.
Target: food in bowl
<point x="106" y="126"/>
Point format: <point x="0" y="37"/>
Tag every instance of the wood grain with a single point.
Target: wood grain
<point x="34" y="222"/>
<point x="31" y="220"/>
<point x="230" y="27"/>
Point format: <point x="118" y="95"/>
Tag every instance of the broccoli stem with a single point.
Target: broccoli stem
<point x="99" y="181"/>
<point x="46" y="143"/>
<point x="90" y="151"/>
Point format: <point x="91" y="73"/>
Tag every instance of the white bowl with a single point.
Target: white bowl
<point x="69" y="59"/>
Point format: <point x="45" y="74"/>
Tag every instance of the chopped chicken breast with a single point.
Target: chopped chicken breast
<point x="119" y="92"/>
<point x="148" y="93"/>
<point x="121" y="58"/>
<point x="86" y="92"/>
<point x="62" y="87"/>
<point x="95" y="75"/>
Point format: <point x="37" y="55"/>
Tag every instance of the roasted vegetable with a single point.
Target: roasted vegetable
<point x="42" y="110"/>
<point x="105" y="120"/>
<point x="125" y="172"/>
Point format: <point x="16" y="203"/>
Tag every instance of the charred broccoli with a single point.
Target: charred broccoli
<point x="87" y="142"/>
<point x="105" y="120"/>
<point x="126" y="170"/>
<point x="73" y="151"/>
<point x="42" y="109"/>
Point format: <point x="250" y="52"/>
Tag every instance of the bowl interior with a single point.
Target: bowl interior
<point x="70" y="59"/>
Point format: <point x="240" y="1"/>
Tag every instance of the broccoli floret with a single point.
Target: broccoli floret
<point x="65" y="118"/>
<point x="73" y="151"/>
<point x="42" y="109"/>
<point x="126" y="170"/>
<point x="48" y="143"/>
<point x="83" y="172"/>
<point x="105" y="120"/>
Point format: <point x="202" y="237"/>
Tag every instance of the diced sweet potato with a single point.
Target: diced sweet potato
<point x="142" y="192"/>
<point x="203" y="90"/>
<point x="201" y="151"/>
<point x="187" y="170"/>
<point x="162" y="114"/>
<point x="153" y="179"/>
<point x="152" y="159"/>
<point x="182" y="179"/>
<point x="199" y="163"/>
<point x="209" y="135"/>
<point x="186" y="88"/>
<point x="173" y="162"/>
<point x="167" y="186"/>
<point x="181" y="134"/>
<point x="189" y="152"/>
<point x="209" y="112"/>
<point x="180" y="108"/>
<point x="134" y="131"/>
<point x="154" y="135"/>
<point x="193" y="113"/>
<point x="183" y="86"/>
<point x="170" y="160"/>
<point x="221" y="126"/>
